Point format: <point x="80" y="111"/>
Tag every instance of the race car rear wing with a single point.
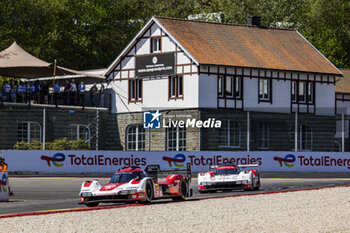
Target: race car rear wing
<point x="154" y="170"/>
<point x="240" y="166"/>
<point x="248" y="165"/>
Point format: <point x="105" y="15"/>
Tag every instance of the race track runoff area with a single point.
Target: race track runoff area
<point x="33" y="194"/>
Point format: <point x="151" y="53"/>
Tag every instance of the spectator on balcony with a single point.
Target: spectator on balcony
<point x="67" y="92"/>
<point x="81" y="89"/>
<point x="30" y="89"/>
<point x="46" y="92"/>
<point x="74" y="93"/>
<point x="102" y="95"/>
<point x="1" y="95"/>
<point x="13" y="91"/>
<point x="56" y="92"/>
<point x="22" y="92"/>
<point x="6" y="91"/>
<point x="93" y="92"/>
<point x="36" y="91"/>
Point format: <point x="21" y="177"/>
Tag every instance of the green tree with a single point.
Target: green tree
<point x="90" y="34"/>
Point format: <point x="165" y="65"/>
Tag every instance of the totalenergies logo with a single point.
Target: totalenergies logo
<point x="287" y="160"/>
<point x="55" y="159"/>
<point x="178" y="160"/>
<point x="3" y="183"/>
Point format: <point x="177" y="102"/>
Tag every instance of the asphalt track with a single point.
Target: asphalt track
<point x="52" y="193"/>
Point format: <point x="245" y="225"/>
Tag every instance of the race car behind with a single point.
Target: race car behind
<point x="229" y="177"/>
<point x="136" y="184"/>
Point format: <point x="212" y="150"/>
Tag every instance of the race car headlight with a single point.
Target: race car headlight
<point x="86" y="194"/>
<point x="125" y="192"/>
<point x="205" y="183"/>
<point x="132" y="191"/>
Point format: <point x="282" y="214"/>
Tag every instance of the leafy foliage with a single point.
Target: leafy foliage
<point x="22" y="145"/>
<point x="90" y="34"/>
<point x="58" y="144"/>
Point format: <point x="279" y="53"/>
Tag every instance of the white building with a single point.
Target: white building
<point x="224" y="71"/>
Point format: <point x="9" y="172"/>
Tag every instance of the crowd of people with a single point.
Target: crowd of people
<point x="39" y="92"/>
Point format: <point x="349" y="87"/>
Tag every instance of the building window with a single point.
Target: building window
<point x="80" y="132"/>
<point x="135" y="90"/>
<point x="303" y="92"/>
<point x="135" y="137"/>
<point x="29" y="131"/>
<point x="230" y="134"/>
<point x="305" y="137"/>
<point x="265" y="89"/>
<point x="263" y="136"/>
<point x="156" y="45"/>
<point x="229" y="87"/>
<point x="238" y="87"/>
<point x="220" y="86"/>
<point x="176" y="139"/>
<point x="175" y="87"/>
<point x="339" y="129"/>
<point x="294" y="91"/>
<point x="310" y="92"/>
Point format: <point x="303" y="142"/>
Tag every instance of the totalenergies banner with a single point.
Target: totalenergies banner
<point x="110" y="161"/>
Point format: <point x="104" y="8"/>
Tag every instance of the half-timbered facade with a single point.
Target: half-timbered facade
<point x="224" y="71"/>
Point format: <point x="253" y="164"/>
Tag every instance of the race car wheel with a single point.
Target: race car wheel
<point x="93" y="204"/>
<point x="183" y="191"/>
<point x="148" y="192"/>
<point x="257" y="187"/>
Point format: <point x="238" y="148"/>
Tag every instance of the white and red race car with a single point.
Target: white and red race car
<point x="136" y="184"/>
<point x="229" y="177"/>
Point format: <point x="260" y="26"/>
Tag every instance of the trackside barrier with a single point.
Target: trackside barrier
<point x="110" y="161"/>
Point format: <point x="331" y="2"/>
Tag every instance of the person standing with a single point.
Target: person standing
<point x="1" y="95"/>
<point x="74" y="92"/>
<point x="67" y="91"/>
<point x="81" y="89"/>
<point x="6" y="90"/>
<point x="22" y="92"/>
<point x="13" y="91"/>
<point x="102" y="95"/>
<point x="30" y="88"/>
<point x="37" y="90"/>
<point x="46" y="92"/>
<point x="93" y="92"/>
<point x="56" y="92"/>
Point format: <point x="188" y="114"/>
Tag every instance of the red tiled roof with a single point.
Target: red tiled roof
<point x="343" y="85"/>
<point x="245" y="46"/>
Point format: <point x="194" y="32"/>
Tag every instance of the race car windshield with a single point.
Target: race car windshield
<point x="226" y="171"/>
<point x="123" y="177"/>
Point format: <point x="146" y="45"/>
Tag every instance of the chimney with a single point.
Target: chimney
<point x="253" y="21"/>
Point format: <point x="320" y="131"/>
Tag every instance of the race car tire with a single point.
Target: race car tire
<point x="93" y="204"/>
<point x="258" y="185"/>
<point x="183" y="191"/>
<point x="149" y="192"/>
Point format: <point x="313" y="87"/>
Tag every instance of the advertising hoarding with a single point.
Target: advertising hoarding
<point x="110" y="161"/>
<point x="155" y="65"/>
